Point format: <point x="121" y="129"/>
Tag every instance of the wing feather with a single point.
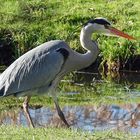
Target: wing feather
<point x="31" y="72"/>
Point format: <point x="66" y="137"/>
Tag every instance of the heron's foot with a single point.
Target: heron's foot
<point x="61" y="114"/>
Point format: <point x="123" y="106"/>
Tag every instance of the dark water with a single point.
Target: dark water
<point x="124" y="117"/>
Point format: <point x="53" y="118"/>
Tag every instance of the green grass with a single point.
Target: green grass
<point x="34" y="22"/>
<point x="22" y="133"/>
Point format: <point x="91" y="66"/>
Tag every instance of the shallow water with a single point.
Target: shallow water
<point x="90" y="118"/>
<point x="124" y="116"/>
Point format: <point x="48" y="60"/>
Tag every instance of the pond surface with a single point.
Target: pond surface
<point x="90" y="117"/>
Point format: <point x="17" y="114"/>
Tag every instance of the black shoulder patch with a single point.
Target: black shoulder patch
<point x="98" y="21"/>
<point x="64" y="52"/>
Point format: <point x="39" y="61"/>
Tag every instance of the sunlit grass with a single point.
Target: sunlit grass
<point x="16" y="133"/>
<point x="34" y="22"/>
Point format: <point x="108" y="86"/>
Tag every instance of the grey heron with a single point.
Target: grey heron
<point x="40" y="70"/>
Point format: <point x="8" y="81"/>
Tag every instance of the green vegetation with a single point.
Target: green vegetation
<point x="28" y="23"/>
<point x="16" y="133"/>
<point x="34" y="22"/>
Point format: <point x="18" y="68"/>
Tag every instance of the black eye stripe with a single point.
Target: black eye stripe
<point x="98" y="21"/>
<point x="101" y="21"/>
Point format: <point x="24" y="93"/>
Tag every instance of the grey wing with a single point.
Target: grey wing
<point x="31" y="73"/>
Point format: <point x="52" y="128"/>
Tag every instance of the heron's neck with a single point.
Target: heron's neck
<point x="91" y="46"/>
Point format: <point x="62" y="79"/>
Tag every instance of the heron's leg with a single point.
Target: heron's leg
<point x="25" y="108"/>
<point x="60" y="113"/>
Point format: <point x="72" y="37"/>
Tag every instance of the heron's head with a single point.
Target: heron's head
<point x="101" y="25"/>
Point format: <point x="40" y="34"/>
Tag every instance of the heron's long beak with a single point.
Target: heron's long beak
<point x="120" y="33"/>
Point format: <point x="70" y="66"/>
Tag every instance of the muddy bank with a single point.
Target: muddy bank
<point x="131" y="64"/>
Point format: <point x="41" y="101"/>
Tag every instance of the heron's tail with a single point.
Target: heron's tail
<point x="2" y="92"/>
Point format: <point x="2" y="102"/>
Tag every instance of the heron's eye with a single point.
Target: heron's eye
<point x="106" y="26"/>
